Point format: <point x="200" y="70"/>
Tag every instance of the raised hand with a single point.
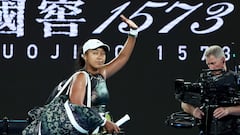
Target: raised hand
<point x="130" y="23"/>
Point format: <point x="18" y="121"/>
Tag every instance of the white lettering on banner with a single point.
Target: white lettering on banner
<point x="56" y="52"/>
<point x="56" y="55"/>
<point x="12" y="17"/>
<point x="160" y="52"/>
<point x="216" y="15"/>
<point x="32" y="51"/>
<point x="215" y="12"/>
<point x="60" y="15"/>
<point x="226" y="50"/>
<point x="63" y="17"/>
<point x="138" y="13"/>
<point x="7" y="54"/>
<point x="183" y="52"/>
<point x="106" y="23"/>
<point x="118" y="48"/>
<point x="75" y="51"/>
<point x="202" y="49"/>
<point x="189" y="9"/>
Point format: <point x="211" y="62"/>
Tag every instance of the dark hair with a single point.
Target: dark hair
<point x="80" y="62"/>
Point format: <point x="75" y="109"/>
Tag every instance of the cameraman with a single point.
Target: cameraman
<point x="217" y="118"/>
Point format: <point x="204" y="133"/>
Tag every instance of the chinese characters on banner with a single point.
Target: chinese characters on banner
<point x="12" y="17"/>
<point x="58" y="17"/>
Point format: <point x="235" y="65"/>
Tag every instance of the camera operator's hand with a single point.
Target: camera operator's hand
<point x="194" y="111"/>
<point x="220" y="112"/>
<point x="198" y="113"/>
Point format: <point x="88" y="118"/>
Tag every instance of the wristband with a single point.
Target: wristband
<point x="133" y="32"/>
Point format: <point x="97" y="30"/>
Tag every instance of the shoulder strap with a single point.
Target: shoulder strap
<point x="65" y="85"/>
<point x="88" y="84"/>
<point x="88" y="88"/>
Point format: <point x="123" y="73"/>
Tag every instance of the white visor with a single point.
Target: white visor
<point x="93" y="44"/>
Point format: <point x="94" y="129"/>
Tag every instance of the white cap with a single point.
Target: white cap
<point x="93" y="44"/>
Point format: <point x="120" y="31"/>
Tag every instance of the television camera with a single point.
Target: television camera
<point x="208" y="91"/>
